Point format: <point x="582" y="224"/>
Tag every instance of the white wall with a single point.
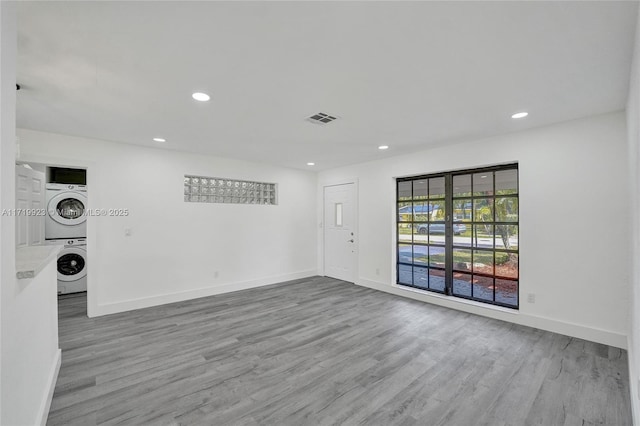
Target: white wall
<point x="31" y="358"/>
<point x="573" y="222"/>
<point x="633" y="128"/>
<point x="176" y="248"/>
<point x="28" y="308"/>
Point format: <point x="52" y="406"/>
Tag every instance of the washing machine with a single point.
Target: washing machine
<point x="66" y="217"/>
<point x="72" y="265"/>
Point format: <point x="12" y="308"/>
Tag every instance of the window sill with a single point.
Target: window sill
<point x="458" y="300"/>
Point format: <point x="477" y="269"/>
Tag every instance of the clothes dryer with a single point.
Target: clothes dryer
<point x="66" y="211"/>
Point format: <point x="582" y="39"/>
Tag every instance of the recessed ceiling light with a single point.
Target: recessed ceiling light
<point x="202" y="97"/>
<point x="159" y="140"/>
<point x="311" y="164"/>
<point x="383" y="147"/>
<point x="483" y="177"/>
<point x="522" y="114"/>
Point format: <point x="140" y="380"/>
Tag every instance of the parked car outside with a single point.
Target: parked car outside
<point x="438" y="228"/>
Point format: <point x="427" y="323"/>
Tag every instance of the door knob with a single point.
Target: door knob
<point x="350" y="241"/>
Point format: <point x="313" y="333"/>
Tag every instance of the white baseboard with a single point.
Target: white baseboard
<point x="45" y="406"/>
<point x="606" y="337"/>
<point x="146" y="302"/>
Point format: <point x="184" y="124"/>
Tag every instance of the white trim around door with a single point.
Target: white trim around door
<point x="339" y="225"/>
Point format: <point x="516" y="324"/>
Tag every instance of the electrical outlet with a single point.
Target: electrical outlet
<point x="377" y="271"/>
<point x="531" y="298"/>
<point x="215" y="274"/>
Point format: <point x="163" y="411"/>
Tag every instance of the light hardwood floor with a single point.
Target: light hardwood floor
<point x="322" y="351"/>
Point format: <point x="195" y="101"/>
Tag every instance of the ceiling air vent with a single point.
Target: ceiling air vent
<point x="322" y="118"/>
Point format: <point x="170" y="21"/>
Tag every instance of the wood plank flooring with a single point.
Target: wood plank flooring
<point x="322" y="351"/>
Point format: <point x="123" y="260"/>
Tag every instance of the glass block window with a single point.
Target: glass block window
<point x="201" y="189"/>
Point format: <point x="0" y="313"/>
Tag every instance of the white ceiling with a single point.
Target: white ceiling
<point x="404" y="74"/>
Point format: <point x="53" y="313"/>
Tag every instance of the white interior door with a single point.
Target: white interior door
<point x="340" y="248"/>
<point x="31" y="206"/>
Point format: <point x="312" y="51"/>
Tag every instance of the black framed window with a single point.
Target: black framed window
<point x="458" y="234"/>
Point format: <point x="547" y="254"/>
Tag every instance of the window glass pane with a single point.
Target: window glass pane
<point x="506" y="209"/>
<point x="461" y="260"/>
<point x="437" y="228"/>
<point x="436" y="187"/>
<point x="483" y="261"/>
<point x="421" y="211"/>
<point x="436" y="256"/>
<point x="462" y="210"/>
<point x="405" y="254"/>
<point x="436" y="233"/>
<point x="420" y="189"/>
<point x="405" y="212"/>
<point x="482" y="236"/>
<point x="436" y="279"/>
<point x="404" y="232"/>
<point x="483" y="287"/>
<point x="461" y="234"/>
<point x="420" y="277"/>
<point x="506" y="264"/>
<point x="437" y="210"/>
<point x="483" y="209"/>
<point x="506" y="182"/>
<point x="460" y="228"/>
<point x="420" y="256"/>
<point x="405" y="274"/>
<point x="338" y="214"/>
<point x="507" y="237"/>
<point x="462" y="284"/>
<point x="420" y="231"/>
<point x="507" y="292"/>
<point x="404" y="191"/>
<point x="483" y="183"/>
<point x="462" y="186"/>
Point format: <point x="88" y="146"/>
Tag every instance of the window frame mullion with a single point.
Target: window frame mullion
<point x="448" y="238"/>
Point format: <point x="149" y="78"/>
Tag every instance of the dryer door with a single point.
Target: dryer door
<point x="68" y="208"/>
<point x="72" y="264"/>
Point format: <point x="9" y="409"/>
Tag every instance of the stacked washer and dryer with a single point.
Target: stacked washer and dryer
<point x="66" y="224"/>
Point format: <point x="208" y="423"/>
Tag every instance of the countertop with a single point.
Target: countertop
<point x="31" y="260"/>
